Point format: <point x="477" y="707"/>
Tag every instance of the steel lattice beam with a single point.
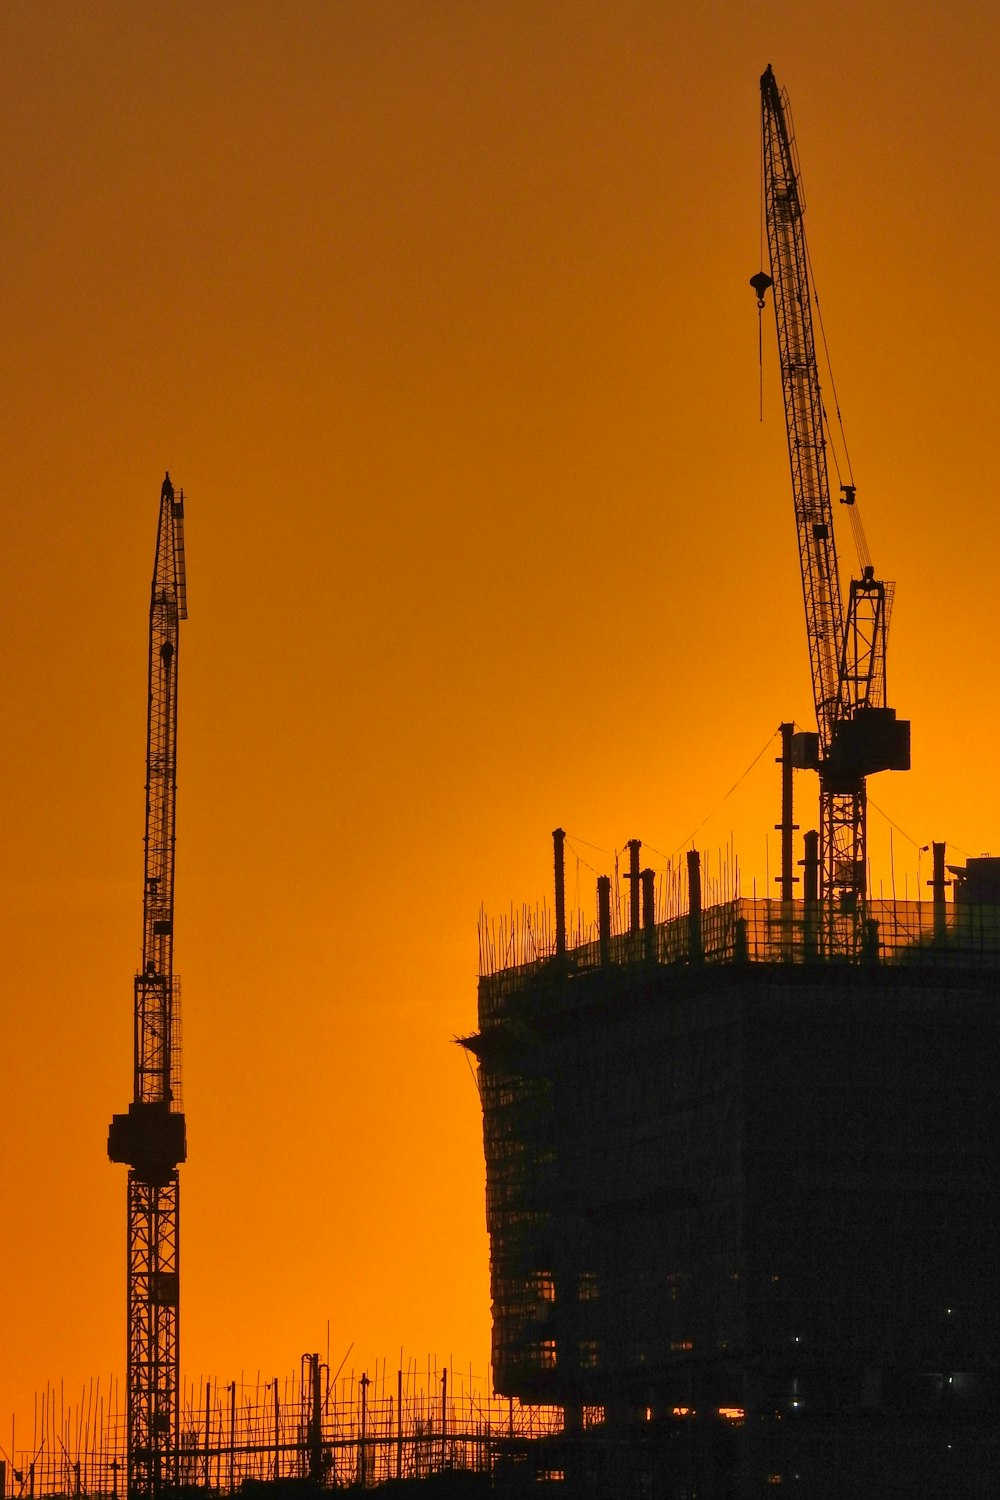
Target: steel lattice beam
<point x="153" y="1332"/>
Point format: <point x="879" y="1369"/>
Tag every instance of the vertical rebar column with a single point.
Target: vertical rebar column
<point x="938" y="884"/>
<point x="648" y="880"/>
<point x="399" y="1424"/>
<point x="695" y="952"/>
<point x="277" y="1432"/>
<point x="869" y="941"/>
<point x="633" y="846"/>
<point x="558" y="842"/>
<point x="604" y="918"/>
<point x="787" y="826"/>
<point x="314" y="1435"/>
<point x="444" y="1418"/>
<point x="364" y="1382"/>
<point x="232" y="1438"/>
<point x="810" y="894"/>
<point x="208" y="1433"/>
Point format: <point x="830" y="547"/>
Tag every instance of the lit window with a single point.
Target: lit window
<point x="681" y="1346"/>
<point x="543" y="1285"/>
<point x="732" y="1413"/>
<point x="540" y="1356"/>
<point x="588" y="1354"/>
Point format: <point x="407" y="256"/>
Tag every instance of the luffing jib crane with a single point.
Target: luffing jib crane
<point x="856" y="733"/>
<point x="150" y="1138"/>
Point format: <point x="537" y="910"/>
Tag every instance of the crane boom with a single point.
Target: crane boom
<point x="803" y="410"/>
<point x="151" y="1137"/>
<point x="856" y="733"/>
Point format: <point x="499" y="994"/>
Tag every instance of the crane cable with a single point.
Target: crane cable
<point x="738" y="782"/>
<point x="833" y="383"/>
<point x="847" y="486"/>
<point x="760" y="299"/>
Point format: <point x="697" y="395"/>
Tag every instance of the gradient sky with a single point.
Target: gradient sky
<point x="439" y="314"/>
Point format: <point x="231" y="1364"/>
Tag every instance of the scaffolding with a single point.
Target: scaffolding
<point x="730" y="1173"/>
<point x="353" y="1431"/>
<point x="516" y="948"/>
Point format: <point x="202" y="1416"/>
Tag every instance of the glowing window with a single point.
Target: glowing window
<point x="543" y="1285"/>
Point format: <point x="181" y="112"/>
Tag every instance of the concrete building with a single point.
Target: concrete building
<point x="742" y="1198"/>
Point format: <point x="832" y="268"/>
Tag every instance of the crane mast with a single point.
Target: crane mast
<point x="856" y="733"/>
<point x="150" y="1138"/>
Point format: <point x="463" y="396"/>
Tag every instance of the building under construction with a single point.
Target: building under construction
<point x="742" y="1163"/>
<point x="742" y="1192"/>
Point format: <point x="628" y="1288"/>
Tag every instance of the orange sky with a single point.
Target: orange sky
<point x="439" y="314"/>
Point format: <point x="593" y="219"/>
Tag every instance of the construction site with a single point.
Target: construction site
<point x="307" y="1429"/>
<point x="742" y="1164"/>
<point x="741" y="1156"/>
<point x="742" y="1195"/>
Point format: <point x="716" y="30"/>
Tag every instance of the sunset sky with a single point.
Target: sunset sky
<point x="438" y="310"/>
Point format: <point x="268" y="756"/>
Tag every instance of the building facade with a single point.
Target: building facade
<point x="743" y="1202"/>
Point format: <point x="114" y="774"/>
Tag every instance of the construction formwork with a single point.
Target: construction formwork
<point x="741" y="1191"/>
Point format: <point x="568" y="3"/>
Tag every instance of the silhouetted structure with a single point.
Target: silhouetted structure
<point x="295" y="1434"/>
<point x="857" y="734"/>
<point x="151" y="1137"/>
<point x="743" y="1201"/>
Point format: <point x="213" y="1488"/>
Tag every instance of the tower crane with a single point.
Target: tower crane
<point x="151" y="1137"/>
<point x="857" y="733"/>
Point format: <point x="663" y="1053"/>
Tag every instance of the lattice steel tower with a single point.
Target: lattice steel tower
<point x="150" y="1138"/>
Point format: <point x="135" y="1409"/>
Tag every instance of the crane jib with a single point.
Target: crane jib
<point x="857" y="734"/>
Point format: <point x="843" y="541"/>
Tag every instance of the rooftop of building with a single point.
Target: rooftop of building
<point x="524" y="950"/>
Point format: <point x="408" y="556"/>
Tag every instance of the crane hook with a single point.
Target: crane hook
<point x="760" y="284"/>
